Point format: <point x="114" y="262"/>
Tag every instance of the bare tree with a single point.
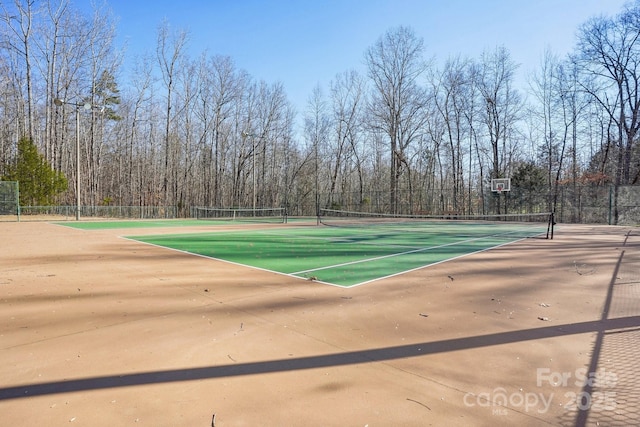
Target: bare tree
<point x="169" y="52"/>
<point x="472" y="112"/>
<point x="347" y="93"/>
<point x="136" y="125"/>
<point x="609" y="55"/>
<point x="103" y="63"/>
<point x="418" y="141"/>
<point x="49" y="48"/>
<point x="502" y="105"/>
<point x="546" y="88"/>
<point x="560" y="104"/>
<point x="395" y="64"/>
<point x="271" y="127"/>
<point x="220" y="93"/>
<point x="19" y="25"/>
<point x="317" y="124"/>
<point x="451" y="88"/>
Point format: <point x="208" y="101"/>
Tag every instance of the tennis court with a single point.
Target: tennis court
<point x="140" y="334"/>
<point x="351" y="253"/>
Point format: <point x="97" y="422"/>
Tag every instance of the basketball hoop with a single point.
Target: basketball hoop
<point x="500" y="185"/>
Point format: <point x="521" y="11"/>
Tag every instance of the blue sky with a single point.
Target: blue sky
<point x="303" y="43"/>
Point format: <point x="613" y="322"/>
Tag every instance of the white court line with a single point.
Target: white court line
<point x="434" y="263"/>
<point x="334" y="239"/>
<point x="398" y="254"/>
<point x="182" y="251"/>
<point x="295" y="275"/>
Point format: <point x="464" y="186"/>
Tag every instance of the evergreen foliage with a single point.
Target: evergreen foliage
<point x="39" y="182"/>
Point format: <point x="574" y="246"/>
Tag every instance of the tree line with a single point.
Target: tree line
<point x="189" y="131"/>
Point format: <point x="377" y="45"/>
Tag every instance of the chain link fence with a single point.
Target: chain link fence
<point x="66" y="213"/>
<point x="580" y="204"/>
<point x="9" y="200"/>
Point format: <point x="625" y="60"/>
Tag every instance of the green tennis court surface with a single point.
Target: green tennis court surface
<point x="347" y="256"/>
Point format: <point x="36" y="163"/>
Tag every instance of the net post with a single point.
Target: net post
<point x="550" y="225"/>
<point x="18" y="199"/>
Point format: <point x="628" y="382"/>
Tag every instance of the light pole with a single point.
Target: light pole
<point x="87" y="106"/>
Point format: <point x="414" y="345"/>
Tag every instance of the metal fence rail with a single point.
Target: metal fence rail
<point x="65" y="213"/>
<point x="579" y="204"/>
<point x="571" y="204"/>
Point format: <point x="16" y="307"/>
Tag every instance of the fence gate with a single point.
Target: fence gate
<point x="9" y="201"/>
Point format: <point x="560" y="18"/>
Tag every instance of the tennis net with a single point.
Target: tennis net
<point x="529" y="225"/>
<point x="276" y="215"/>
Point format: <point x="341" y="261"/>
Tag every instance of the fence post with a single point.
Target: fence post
<point x="18" y="199"/>
<point x="610" y="202"/>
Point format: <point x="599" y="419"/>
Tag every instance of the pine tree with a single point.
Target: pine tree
<point x="108" y="94"/>
<point x="39" y="182"/>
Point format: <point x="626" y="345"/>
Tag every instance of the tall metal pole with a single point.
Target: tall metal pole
<point x="77" y="163"/>
<point x="87" y="106"/>
<point x="315" y="149"/>
<point x="253" y="140"/>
